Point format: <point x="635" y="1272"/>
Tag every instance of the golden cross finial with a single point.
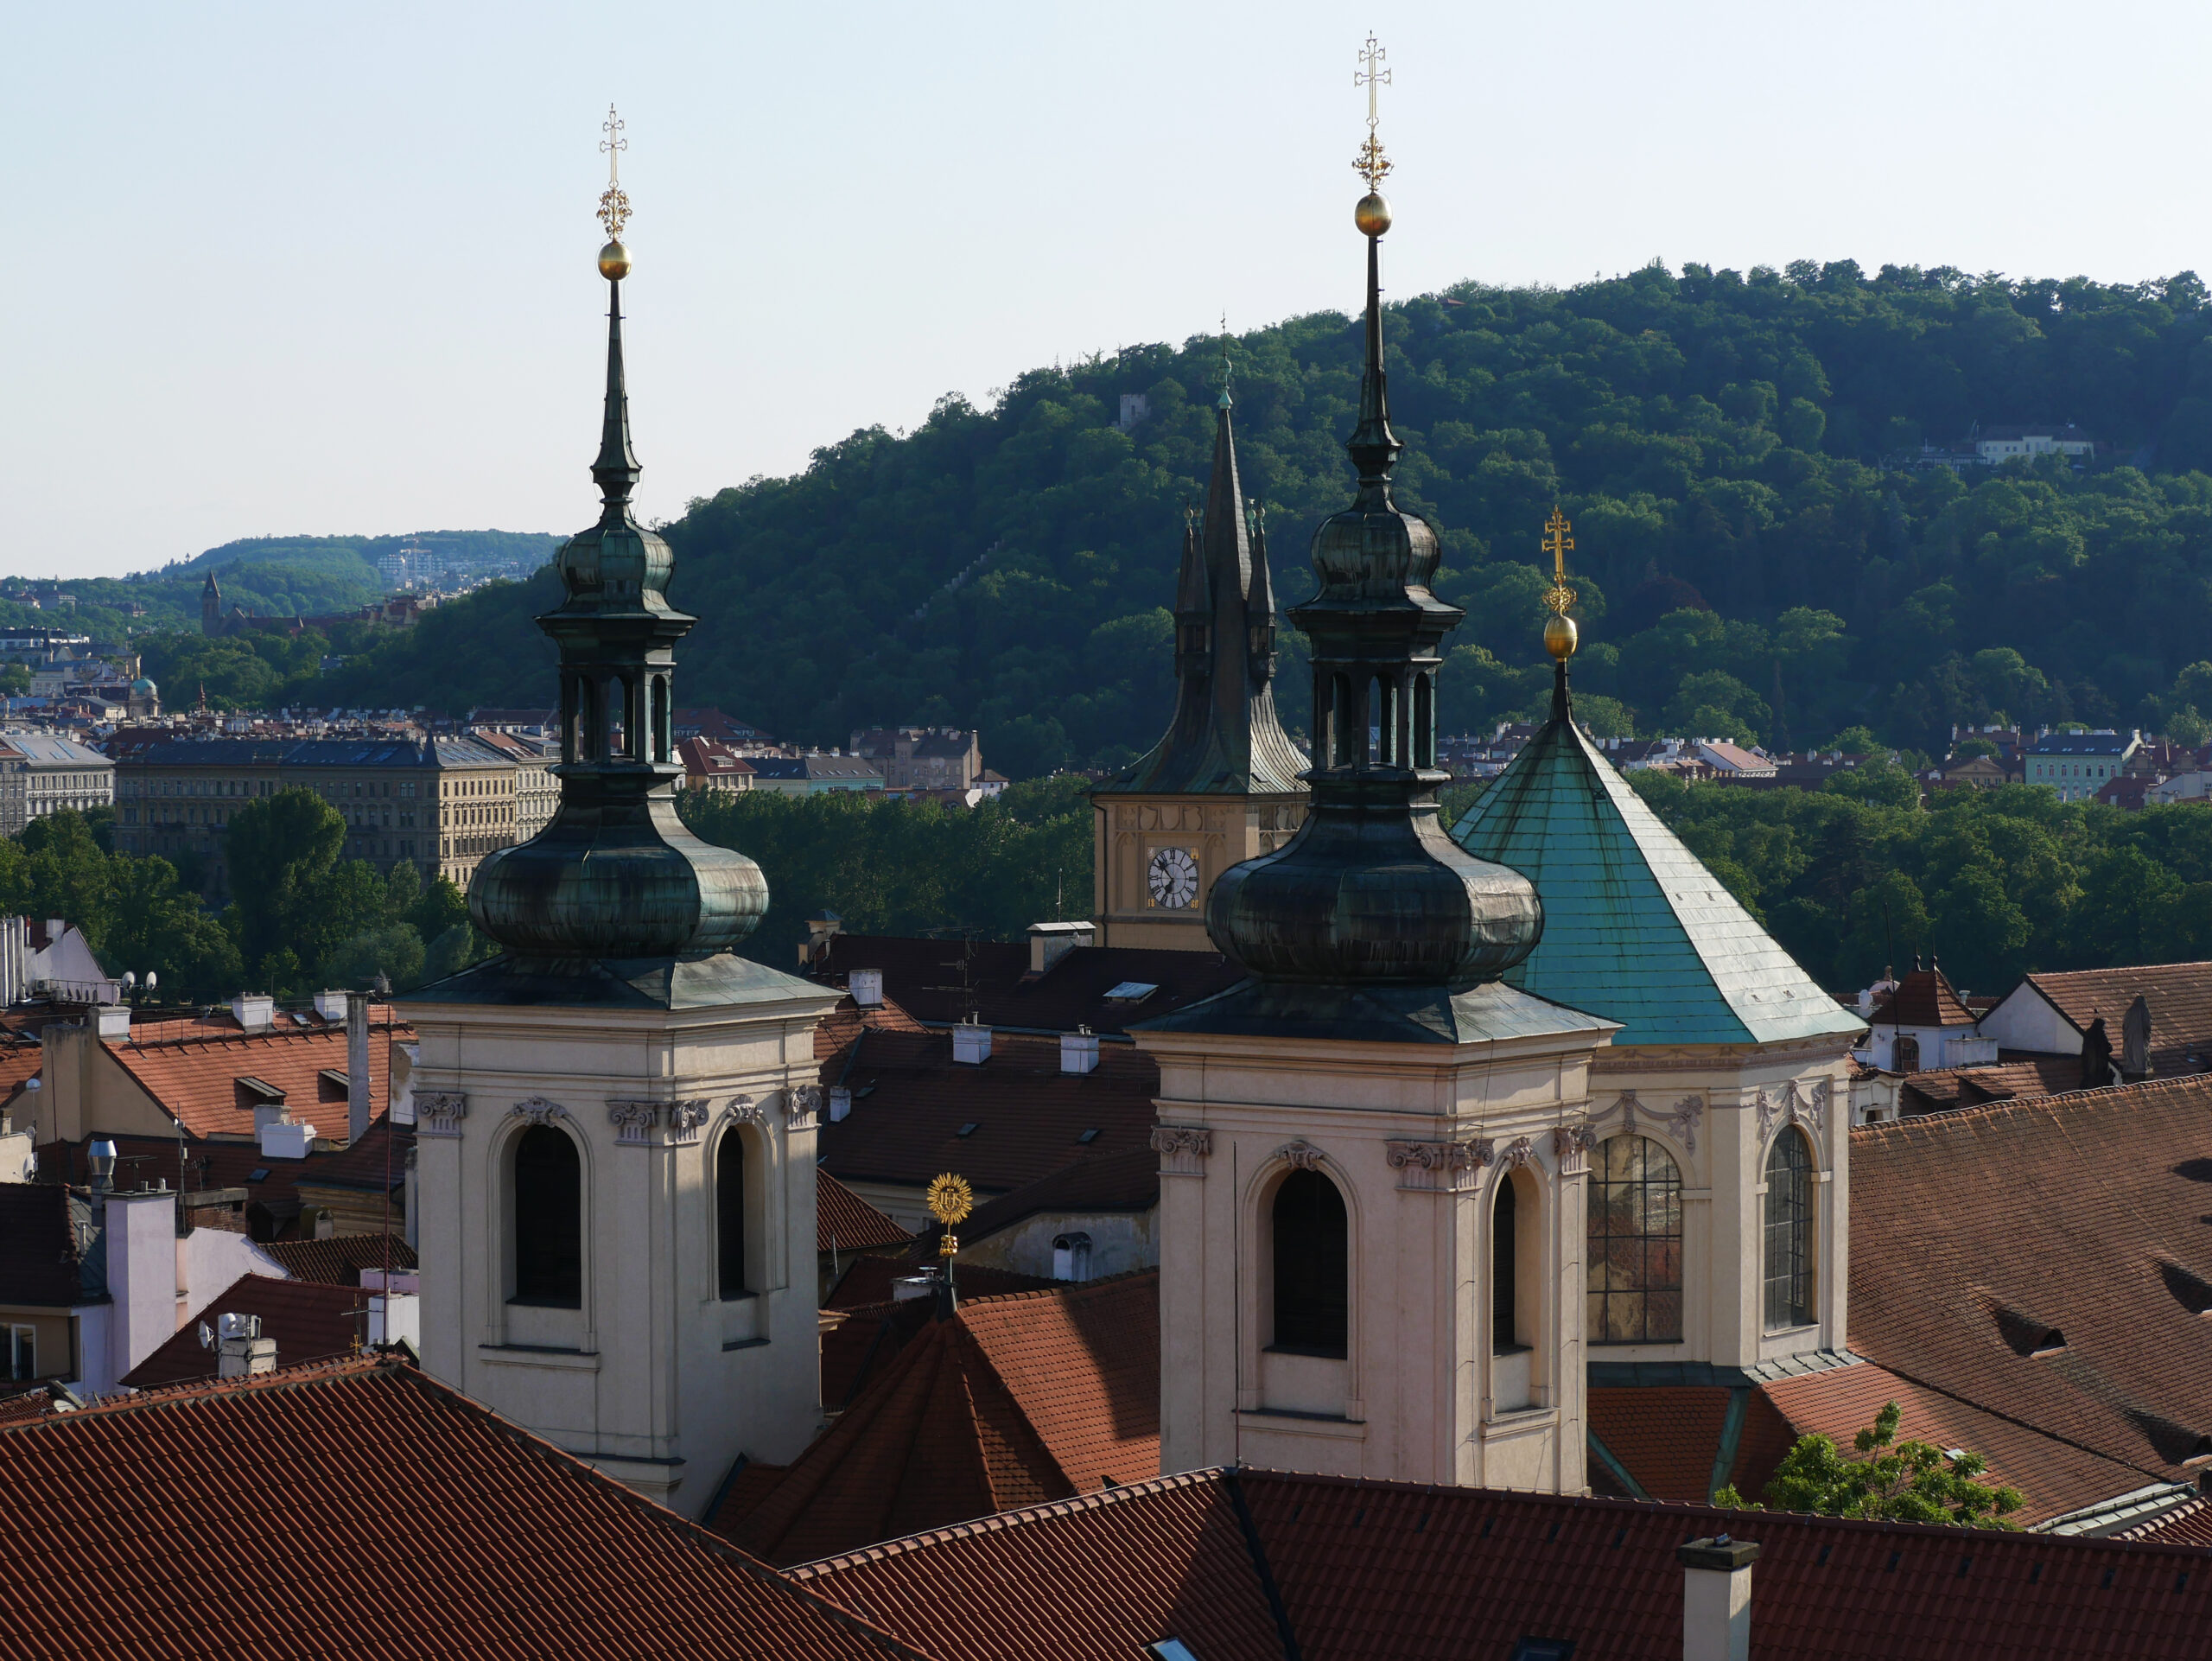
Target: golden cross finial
<point x="1370" y="163"/>
<point x="613" y="206"/>
<point x="1559" y="544"/>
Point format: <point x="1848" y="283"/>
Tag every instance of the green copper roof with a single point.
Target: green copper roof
<point x="1636" y="928"/>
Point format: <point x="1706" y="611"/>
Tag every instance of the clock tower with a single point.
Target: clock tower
<point x="1222" y="785"/>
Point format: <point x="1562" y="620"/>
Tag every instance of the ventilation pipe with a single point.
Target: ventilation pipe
<point x="357" y="1066"/>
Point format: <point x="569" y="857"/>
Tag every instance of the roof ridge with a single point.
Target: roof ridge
<point x="1000" y="1520"/>
<point x="2022" y="1103"/>
<point x="1064" y="1289"/>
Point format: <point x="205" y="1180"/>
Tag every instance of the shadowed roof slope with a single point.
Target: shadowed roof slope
<point x="845" y="1222"/>
<point x="340" y="1261"/>
<point x="311" y="1322"/>
<point x="1018" y="1399"/>
<point x="363" y="1507"/>
<point x="1981" y="1239"/>
<point x="1636" y="929"/>
<point x="2177" y="995"/>
<point x="1378" y="1571"/>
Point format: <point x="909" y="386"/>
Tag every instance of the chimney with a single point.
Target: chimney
<point x="840" y="1102"/>
<point x="253" y="1010"/>
<point x="1050" y="941"/>
<point x="283" y="1138"/>
<point x="241" y="1350"/>
<point x="101" y="1158"/>
<point x="867" y="987"/>
<point x="331" y="1006"/>
<point x="971" y="1044"/>
<point x="1717" y="1598"/>
<point x="357" y="1066"/>
<point x="114" y="1023"/>
<point x="1079" y="1051"/>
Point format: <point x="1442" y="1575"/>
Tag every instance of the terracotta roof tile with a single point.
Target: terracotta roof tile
<point x="911" y="1100"/>
<point x="2179" y="995"/>
<point x="1098" y="1575"/>
<point x="1668" y="1436"/>
<point x="1925" y="997"/>
<point x="311" y="1322"/>
<point x="299" y="1513"/>
<point x="1939" y="1089"/>
<point x="841" y="1025"/>
<point x="1374" y="1571"/>
<point x="2190" y="1525"/>
<point x="866" y="1281"/>
<point x="1017" y="1399"/>
<point x="340" y="1261"/>
<point x="195" y="1076"/>
<point x="845" y="1222"/>
<point x="2054" y="1477"/>
<point x="2082" y="1213"/>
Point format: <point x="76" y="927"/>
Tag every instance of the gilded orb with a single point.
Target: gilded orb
<point x="1560" y="637"/>
<point x="1372" y="215"/>
<point x="614" y="262"/>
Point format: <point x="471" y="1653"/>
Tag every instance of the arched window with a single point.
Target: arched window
<point x="1071" y="1257"/>
<point x="1503" y="1315"/>
<point x="1312" y="1280"/>
<point x="1789" y="1231"/>
<point x="1905" y="1056"/>
<point x="729" y="1214"/>
<point x="549" y="1219"/>
<point x="1345" y="719"/>
<point x="1635" y="1244"/>
<point x="1383" y="720"/>
<point x="1425" y="720"/>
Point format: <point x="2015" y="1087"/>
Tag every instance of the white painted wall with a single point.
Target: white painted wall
<point x="2028" y="1020"/>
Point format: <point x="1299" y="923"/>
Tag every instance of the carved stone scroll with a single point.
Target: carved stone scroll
<point x="1301" y="1156"/>
<point x="1571" y="1146"/>
<point x="439" y="1113"/>
<point x="1515" y="1154"/>
<point x="538" y="1110"/>
<point x="802" y="1105"/>
<point x="1437" y="1166"/>
<point x="1182" y="1149"/>
<point x="684" y="1119"/>
<point x="634" y="1123"/>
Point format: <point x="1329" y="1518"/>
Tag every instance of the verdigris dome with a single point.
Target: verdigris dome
<point x="616" y="874"/>
<point x="1372" y="891"/>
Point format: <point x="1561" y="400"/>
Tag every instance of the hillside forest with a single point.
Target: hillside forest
<point x="1753" y="553"/>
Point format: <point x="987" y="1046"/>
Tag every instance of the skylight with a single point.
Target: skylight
<point x="1171" y="1649"/>
<point x="1131" y="992"/>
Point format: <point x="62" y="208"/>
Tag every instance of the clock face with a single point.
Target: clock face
<point x="1173" y="877"/>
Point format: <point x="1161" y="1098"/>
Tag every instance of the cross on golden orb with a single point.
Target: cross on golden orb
<point x="613" y="206"/>
<point x="1370" y="163"/>
<point x="1559" y="544"/>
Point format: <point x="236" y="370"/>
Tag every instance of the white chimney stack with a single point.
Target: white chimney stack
<point x="114" y="1023"/>
<point x="867" y="987"/>
<point x="1079" y="1051"/>
<point x="971" y="1044"/>
<point x="840" y="1102"/>
<point x="357" y="1066"/>
<point x="1717" y="1598"/>
<point x="331" y="1006"/>
<point x="281" y="1138"/>
<point x="253" y="1010"/>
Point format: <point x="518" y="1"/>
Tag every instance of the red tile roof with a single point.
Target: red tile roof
<point x="850" y="1019"/>
<point x="911" y="1099"/>
<point x="941" y="981"/>
<point x="2054" y="1477"/>
<point x="2190" y="1525"/>
<point x="866" y="1281"/>
<point x="1126" y="1181"/>
<point x="2179" y="995"/>
<point x="1667" y="1437"/>
<point x="845" y="1222"/>
<point x="1939" y="1089"/>
<point x="365" y="1507"/>
<point x="193" y="1076"/>
<point x="311" y="1322"/>
<point x="1017" y="1399"/>
<point x="339" y="1262"/>
<point x="1925" y="997"/>
<point x="1374" y="1571"/>
<point x="1100" y="1575"/>
<point x="2082" y="1213"/>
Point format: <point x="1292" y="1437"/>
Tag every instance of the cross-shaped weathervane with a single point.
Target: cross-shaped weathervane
<point x="613" y="206"/>
<point x="1370" y="163"/>
<point x="1559" y="544"/>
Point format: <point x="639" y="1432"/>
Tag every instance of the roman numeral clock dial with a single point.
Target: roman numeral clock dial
<point x="1173" y="877"/>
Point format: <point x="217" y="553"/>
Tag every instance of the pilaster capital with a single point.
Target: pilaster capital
<point x="439" y="1112"/>
<point x="1437" y="1166"/>
<point x="1182" y="1149"/>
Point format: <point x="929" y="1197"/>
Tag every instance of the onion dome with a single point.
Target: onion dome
<point x="1370" y="891"/>
<point x="615" y="875"/>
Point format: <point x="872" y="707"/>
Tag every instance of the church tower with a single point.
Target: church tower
<point x="616" y="1116"/>
<point x="211" y="606"/>
<point x="1718" y="1247"/>
<point x="1223" y="785"/>
<point x="1372" y="1150"/>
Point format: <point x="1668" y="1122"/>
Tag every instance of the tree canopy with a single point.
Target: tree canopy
<point x="1890" y="1481"/>
<point x="1747" y="563"/>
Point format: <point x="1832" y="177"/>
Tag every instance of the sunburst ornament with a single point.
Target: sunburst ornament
<point x="949" y="1199"/>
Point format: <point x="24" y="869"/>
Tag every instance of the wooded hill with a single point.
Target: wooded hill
<point x="1746" y="564"/>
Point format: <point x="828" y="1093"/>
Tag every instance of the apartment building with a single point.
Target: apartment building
<point x="537" y="791"/>
<point x="441" y="803"/>
<point x="40" y="773"/>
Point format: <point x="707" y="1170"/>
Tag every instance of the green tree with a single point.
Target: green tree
<point x="1890" y="1481"/>
<point x="279" y="848"/>
<point x="160" y="927"/>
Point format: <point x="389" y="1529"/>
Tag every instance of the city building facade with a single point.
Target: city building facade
<point x="42" y="774"/>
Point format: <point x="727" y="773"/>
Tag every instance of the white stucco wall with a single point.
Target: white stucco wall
<point x="2027" y="1021"/>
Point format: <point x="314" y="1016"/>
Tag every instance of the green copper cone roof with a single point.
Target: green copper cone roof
<point x="1636" y="928"/>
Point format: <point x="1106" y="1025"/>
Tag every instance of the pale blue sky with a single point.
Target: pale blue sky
<point x="288" y="269"/>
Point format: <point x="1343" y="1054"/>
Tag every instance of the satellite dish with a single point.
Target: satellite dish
<point x="207" y="1336"/>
